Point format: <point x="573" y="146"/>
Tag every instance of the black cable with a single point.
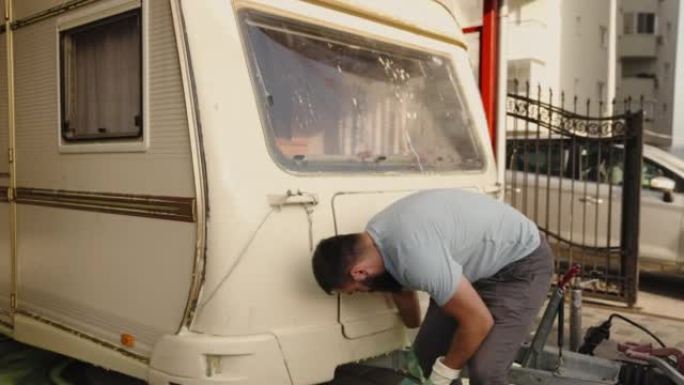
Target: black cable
<point x="637" y="325"/>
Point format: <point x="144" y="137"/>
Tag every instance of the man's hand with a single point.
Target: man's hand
<point x="474" y="323"/>
<point x="408" y="306"/>
<point x="442" y="374"/>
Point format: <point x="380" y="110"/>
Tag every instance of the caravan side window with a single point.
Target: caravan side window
<point x="101" y="79"/>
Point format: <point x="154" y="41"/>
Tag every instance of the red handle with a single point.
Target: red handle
<point x="570" y="274"/>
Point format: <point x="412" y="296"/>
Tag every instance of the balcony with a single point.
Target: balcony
<point x="637" y="46"/>
<point x="638" y="86"/>
<point x="529" y="40"/>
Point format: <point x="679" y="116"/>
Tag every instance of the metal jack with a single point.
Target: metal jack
<point x="532" y="355"/>
<point x="561" y="329"/>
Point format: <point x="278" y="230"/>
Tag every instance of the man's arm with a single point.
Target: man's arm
<point x="474" y="323"/>
<point x="408" y="306"/>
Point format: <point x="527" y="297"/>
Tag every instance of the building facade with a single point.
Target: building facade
<point x="602" y="50"/>
<point x="647" y="49"/>
<point x="566" y="46"/>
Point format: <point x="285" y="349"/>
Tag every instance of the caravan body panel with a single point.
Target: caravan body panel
<point x="101" y="251"/>
<point x="266" y="217"/>
<point x="112" y="233"/>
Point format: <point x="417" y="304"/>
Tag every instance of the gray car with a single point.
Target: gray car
<point x="661" y="245"/>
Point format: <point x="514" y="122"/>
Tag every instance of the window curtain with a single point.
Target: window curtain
<point x="103" y="80"/>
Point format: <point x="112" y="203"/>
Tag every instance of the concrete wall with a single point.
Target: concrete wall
<point x="564" y="45"/>
<point x="668" y="19"/>
<point x="585" y="38"/>
<point x="532" y="42"/>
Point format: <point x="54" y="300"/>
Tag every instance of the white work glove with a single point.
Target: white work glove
<point x="442" y="374"/>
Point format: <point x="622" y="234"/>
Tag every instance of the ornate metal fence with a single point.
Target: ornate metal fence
<point x="578" y="176"/>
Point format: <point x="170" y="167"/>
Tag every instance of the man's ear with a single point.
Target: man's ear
<point x="358" y="272"/>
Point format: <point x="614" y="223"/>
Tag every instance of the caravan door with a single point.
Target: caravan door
<point x="5" y="264"/>
<point x="363" y="313"/>
<point x="5" y="247"/>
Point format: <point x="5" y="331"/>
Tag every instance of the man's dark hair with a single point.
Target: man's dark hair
<point x="333" y="259"/>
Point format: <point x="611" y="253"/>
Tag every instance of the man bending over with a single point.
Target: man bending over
<point x="484" y="264"/>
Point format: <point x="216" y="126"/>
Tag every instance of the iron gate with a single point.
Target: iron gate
<point x="578" y="176"/>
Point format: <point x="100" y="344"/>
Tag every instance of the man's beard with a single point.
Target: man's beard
<point x="383" y="282"/>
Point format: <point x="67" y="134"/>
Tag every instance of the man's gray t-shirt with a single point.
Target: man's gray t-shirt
<point x="430" y="239"/>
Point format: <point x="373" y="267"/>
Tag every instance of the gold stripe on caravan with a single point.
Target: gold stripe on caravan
<point x="6" y="325"/>
<point x="3" y="194"/>
<point x="383" y="19"/>
<point x="161" y="207"/>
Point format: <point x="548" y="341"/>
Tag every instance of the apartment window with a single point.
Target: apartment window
<point x="603" y="36"/>
<point x="628" y="23"/>
<point x="646" y="23"/>
<point x="101" y="79"/>
<point x="641" y="23"/>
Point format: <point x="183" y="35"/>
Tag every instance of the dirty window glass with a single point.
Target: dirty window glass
<point x="333" y="101"/>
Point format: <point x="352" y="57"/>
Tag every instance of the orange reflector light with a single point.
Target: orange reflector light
<point x="127" y="340"/>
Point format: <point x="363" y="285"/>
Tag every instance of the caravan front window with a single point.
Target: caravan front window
<point x="333" y="101"/>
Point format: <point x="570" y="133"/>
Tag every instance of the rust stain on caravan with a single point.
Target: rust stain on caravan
<point x="79" y="334"/>
<point x="383" y="19"/>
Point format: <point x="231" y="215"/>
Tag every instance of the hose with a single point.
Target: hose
<point x="596" y="334"/>
<point x="634" y="323"/>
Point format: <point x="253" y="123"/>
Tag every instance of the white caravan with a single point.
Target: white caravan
<point x="173" y="163"/>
